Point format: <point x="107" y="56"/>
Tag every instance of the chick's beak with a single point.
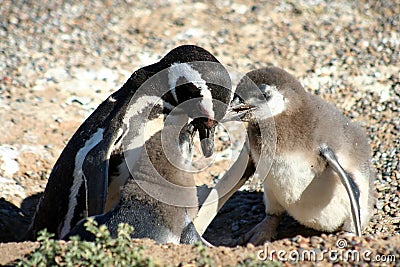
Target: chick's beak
<point x="239" y="112"/>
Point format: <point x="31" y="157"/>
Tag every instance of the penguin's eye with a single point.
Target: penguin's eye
<point x="265" y="96"/>
<point x="187" y="91"/>
<point x="192" y="89"/>
<point x="266" y="92"/>
<point x="268" y="95"/>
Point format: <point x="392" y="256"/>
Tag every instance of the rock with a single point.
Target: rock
<point x="8" y="160"/>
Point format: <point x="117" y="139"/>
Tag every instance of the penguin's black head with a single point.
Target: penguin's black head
<point x="200" y="86"/>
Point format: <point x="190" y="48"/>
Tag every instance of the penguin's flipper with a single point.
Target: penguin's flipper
<point x="351" y="188"/>
<point x="236" y="176"/>
<point x="95" y="172"/>
<point x="191" y="236"/>
<point x="80" y="230"/>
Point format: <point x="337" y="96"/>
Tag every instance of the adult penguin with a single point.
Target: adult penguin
<point x="97" y="161"/>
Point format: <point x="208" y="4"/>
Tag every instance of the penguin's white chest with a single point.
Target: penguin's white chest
<point x="316" y="200"/>
<point x="289" y="177"/>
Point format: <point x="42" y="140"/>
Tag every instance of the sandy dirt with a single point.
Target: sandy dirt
<point x="58" y="61"/>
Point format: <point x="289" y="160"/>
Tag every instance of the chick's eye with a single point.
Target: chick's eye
<point x="265" y="96"/>
<point x="268" y="95"/>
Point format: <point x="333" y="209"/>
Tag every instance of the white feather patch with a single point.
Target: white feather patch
<point x="153" y="126"/>
<point x="133" y="149"/>
<point x="79" y="177"/>
<point x="139" y="105"/>
<point x="118" y="143"/>
<point x="289" y="176"/>
<point x="275" y="105"/>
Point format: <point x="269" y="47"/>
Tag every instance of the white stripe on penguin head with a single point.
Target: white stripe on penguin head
<point x="178" y="70"/>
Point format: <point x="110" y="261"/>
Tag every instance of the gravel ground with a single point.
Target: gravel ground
<point x="58" y="61"/>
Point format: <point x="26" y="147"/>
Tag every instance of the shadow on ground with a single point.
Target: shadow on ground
<point x="241" y="213"/>
<point x="14" y="221"/>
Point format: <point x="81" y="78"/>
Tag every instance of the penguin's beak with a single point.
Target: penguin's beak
<point x="207" y="140"/>
<point x="206" y="128"/>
